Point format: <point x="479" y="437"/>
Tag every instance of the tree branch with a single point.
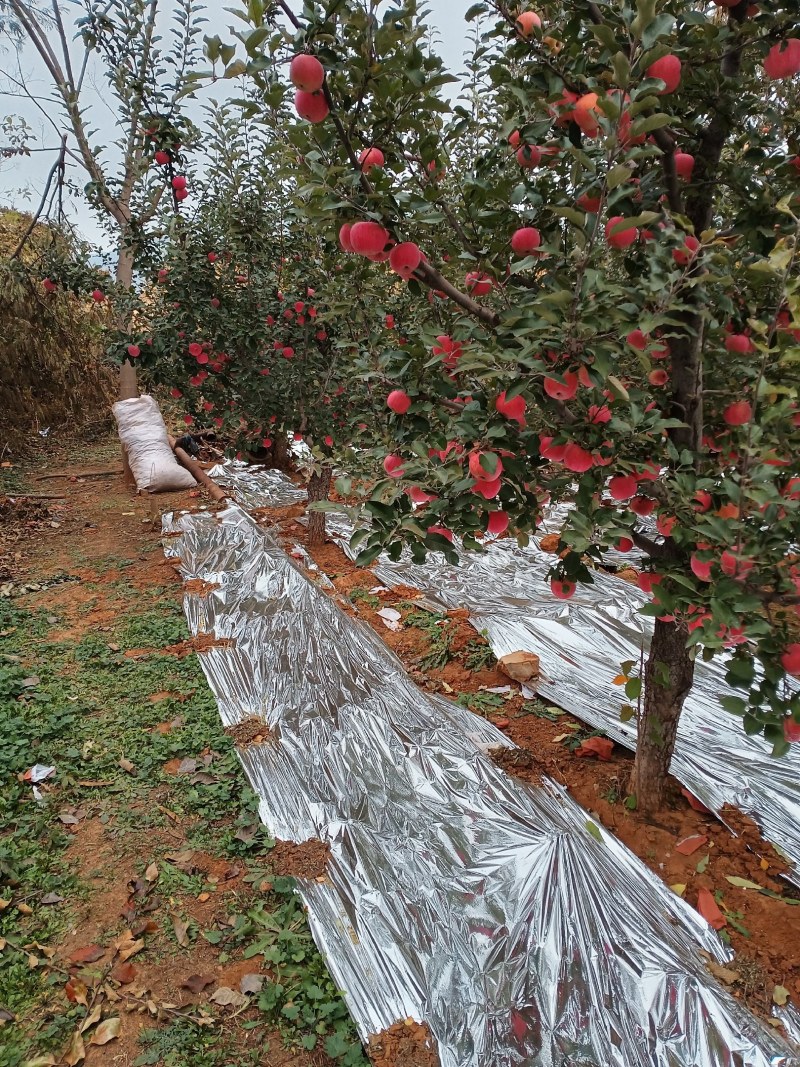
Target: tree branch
<point x="666" y="142"/>
<point x="57" y="166"/>
<point x="434" y="280"/>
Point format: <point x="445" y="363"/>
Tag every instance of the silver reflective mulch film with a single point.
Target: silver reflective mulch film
<point x="581" y="644"/>
<point x="499" y="913"/>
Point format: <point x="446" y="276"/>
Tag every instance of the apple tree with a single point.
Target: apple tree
<point x="601" y="236"/>
<point x="233" y="319"/>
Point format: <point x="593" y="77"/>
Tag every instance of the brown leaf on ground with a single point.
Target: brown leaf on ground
<point x="151" y="873"/>
<point x="228" y="998"/>
<point x="76" y="992"/>
<point x="127" y="946"/>
<point x="251" y="983"/>
<point x="108" y="1030"/>
<point x="89" y="954"/>
<point x="124" y="973"/>
<point x="181" y="931"/>
<point x="196" y="983"/>
<point x="76" y="1051"/>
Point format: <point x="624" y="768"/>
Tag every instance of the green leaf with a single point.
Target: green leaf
<point x="703" y="864"/>
<point x="742" y="883"/>
<point x="617" y="175"/>
<point x="627" y="713"/>
<point x="594" y="830"/>
<point x="622" y="69"/>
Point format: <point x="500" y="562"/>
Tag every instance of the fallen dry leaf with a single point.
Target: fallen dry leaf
<point x="89" y="954"/>
<point x="600" y="747"/>
<point x="76" y="1051"/>
<point x="93" y="1017"/>
<point x="124" y="973"/>
<point x="780" y="995"/>
<point x="76" y="992"/>
<point x="251" y="983"/>
<point x="107" y="1031"/>
<point x="181" y="931"/>
<point x="196" y="983"/>
<point x="690" y="844"/>
<point x="725" y="974"/>
<point x="709" y="909"/>
<point x="227" y="997"/>
<point x="151" y="874"/>
<point x="126" y="765"/>
<point x="126" y="946"/>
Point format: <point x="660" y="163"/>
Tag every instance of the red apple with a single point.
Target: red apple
<point x="441" y="531"/>
<point x="313" y="107"/>
<point x="513" y="409"/>
<point x="637" y="339"/>
<point x="405" y="258"/>
<point x="668" y="69"/>
<point x="577" y="459"/>
<point x="478" y="283"/>
<point x="701" y="568"/>
<point x="529" y="156"/>
<point x="398" y="401"/>
<point x="738" y="342"/>
<point x="682" y="256"/>
<point x="98" y="296"/>
<point x="161" y="157"/>
<point x="368" y="238"/>
<point x="481" y="473"/>
<point x="562" y="589"/>
<point x="526" y="239"/>
<point x="134" y="351"/>
<point x="393" y="465"/>
<point x="790" y="659"/>
<point x="783" y="59"/>
<point x="622" y="486"/>
<point x="371" y="157"/>
<point x="738" y="414"/>
<point x="179" y="181"/>
<point x="306" y="73"/>
<point x="565" y="390"/>
<point x="527" y="22"/>
<point x="620" y="237"/>
<point x="498" y="523"/>
<point x="684" y="165"/>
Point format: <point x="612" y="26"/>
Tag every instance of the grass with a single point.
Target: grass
<point x="85" y="708"/>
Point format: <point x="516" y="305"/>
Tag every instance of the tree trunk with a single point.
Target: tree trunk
<point x="319" y="487"/>
<point x="667" y="680"/>
<point x="125" y="264"/>
<point x="280" y="453"/>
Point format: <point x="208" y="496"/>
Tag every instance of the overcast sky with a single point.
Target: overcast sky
<point x="22" y="179"/>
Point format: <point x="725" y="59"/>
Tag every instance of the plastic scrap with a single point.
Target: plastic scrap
<point x="501" y="915"/>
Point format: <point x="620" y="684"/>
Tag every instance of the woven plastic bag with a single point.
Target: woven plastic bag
<point x="143" y="434"/>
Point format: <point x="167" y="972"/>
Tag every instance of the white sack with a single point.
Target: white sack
<point x="143" y="434"/>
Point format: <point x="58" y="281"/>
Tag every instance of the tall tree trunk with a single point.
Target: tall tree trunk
<point x="319" y="488"/>
<point x="125" y="264"/>
<point x="667" y="680"/>
<point x="280" y="457"/>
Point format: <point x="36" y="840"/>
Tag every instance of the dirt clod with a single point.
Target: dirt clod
<point x="309" y="859"/>
<point x="520" y="762"/>
<point x="197" y="587"/>
<point x="251" y="731"/>
<point x="406" y="1043"/>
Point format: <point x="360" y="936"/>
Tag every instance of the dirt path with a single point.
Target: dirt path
<point x="138" y="901"/>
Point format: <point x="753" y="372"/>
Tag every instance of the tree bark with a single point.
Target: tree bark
<point x="280" y="457"/>
<point x="668" y="677"/>
<point x="319" y="488"/>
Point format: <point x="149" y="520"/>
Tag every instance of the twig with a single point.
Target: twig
<point x="58" y="166"/>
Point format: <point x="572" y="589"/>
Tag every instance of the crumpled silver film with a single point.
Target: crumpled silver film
<point x="256" y="486"/>
<point x="581" y="643"/>
<point x="519" y="930"/>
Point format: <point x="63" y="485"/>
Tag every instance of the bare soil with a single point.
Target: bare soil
<point x="309" y="859"/>
<point x="405" y="1044"/>
<point x="251" y="731"/>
